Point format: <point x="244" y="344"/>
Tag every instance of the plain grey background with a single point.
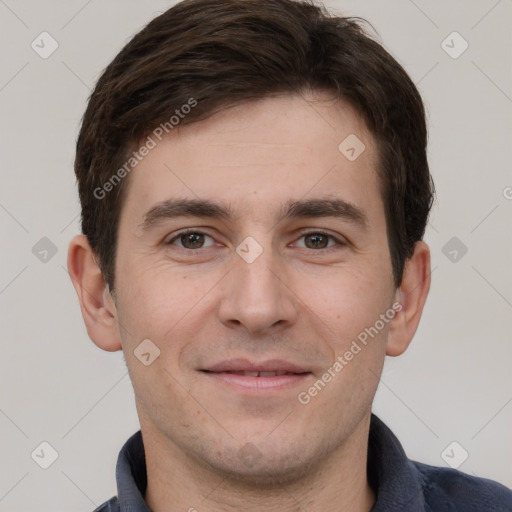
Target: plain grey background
<point x="453" y="384"/>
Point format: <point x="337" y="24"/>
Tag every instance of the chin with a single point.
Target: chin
<point x="256" y="469"/>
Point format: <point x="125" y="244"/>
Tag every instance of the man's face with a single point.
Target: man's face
<point x="257" y="290"/>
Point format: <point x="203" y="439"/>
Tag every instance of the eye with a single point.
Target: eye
<point x="190" y="240"/>
<point x="320" y="240"/>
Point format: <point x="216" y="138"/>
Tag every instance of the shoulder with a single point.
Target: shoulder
<point x="112" y="505"/>
<point x="453" y="490"/>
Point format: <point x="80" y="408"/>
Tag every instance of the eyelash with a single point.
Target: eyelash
<point x="301" y="233"/>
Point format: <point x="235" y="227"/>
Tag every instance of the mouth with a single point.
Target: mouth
<point x="258" y="374"/>
<point x="250" y="377"/>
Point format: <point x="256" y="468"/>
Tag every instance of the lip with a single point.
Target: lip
<point x="242" y="383"/>
<point x="244" y="365"/>
<point x="221" y="373"/>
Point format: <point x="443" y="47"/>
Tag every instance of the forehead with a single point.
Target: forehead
<point x="258" y="156"/>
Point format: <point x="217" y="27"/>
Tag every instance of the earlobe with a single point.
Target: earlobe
<point x="96" y="302"/>
<point x="411" y="295"/>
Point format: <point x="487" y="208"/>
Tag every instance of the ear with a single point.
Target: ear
<point x="96" y="302"/>
<point x="411" y="295"/>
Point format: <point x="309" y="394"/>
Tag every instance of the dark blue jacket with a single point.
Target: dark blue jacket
<point x="400" y="484"/>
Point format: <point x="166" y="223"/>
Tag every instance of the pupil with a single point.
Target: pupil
<point x="192" y="239"/>
<point x="317" y="240"/>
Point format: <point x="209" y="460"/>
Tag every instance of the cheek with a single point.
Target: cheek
<point x="154" y="292"/>
<point x="348" y="299"/>
<point x="157" y="304"/>
<point x="165" y="304"/>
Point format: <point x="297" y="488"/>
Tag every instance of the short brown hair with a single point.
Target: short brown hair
<point x="224" y="52"/>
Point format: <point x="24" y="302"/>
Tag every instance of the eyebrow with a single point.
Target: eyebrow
<point x="325" y="207"/>
<point x="172" y="208"/>
<point x="315" y="207"/>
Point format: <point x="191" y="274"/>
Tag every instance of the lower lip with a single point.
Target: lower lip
<point x="258" y="384"/>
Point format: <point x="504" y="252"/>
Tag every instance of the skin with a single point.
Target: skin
<point x="295" y="302"/>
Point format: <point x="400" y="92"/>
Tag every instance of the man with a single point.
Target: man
<point x="254" y="190"/>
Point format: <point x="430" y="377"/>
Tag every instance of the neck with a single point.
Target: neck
<point x="177" y="482"/>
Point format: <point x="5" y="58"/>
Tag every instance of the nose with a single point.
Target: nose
<point x="257" y="296"/>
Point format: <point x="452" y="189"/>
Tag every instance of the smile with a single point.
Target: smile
<point x="256" y="383"/>
<point x="259" y="374"/>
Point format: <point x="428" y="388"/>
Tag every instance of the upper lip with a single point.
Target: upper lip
<point x="244" y="365"/>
